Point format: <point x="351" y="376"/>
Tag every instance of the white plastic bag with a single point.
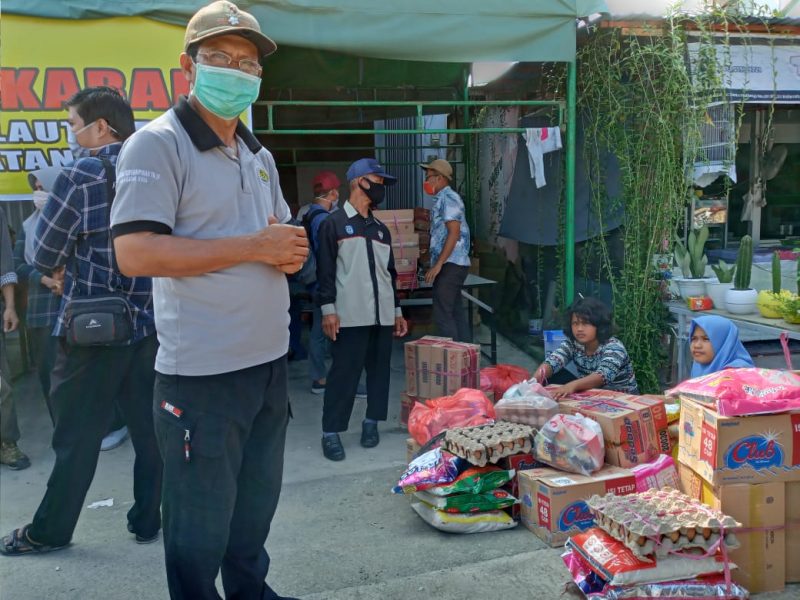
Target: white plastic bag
<point x="533" y="410"/>
<point x="571" y="443"/>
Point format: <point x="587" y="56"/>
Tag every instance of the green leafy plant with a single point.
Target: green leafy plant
<point x="691" y="258"/>
<point x="638" y="101"/>
<point x="790" y="308"/>
<point x="798" y="274"/>
<point x="723" y="271"/>
<point x="744" y="264"/>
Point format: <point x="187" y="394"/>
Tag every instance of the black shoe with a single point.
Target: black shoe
<point x="369" y="435"/>
<point x="140" y="539"/>
<point x="332" y="447"/>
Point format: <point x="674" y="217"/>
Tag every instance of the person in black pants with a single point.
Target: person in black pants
<point x="360" y="309"/>
<point x="219" y="246"/>
<point x="74" y="231"/>
<point x="450" y="245"/>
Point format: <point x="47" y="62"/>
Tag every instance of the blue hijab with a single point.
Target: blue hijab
<point x="728" y="349"/>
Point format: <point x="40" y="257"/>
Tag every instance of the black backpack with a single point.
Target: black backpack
<point x="307" y="275"/>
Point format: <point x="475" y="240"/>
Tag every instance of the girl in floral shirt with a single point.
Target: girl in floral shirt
<point x="601" y="360"/>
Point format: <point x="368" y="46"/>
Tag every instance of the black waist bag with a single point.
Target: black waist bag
<point x="104" y="319"/>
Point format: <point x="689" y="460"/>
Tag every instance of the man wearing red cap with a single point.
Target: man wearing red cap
<point x="326" y="199"/>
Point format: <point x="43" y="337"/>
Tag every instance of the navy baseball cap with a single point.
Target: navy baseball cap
<point x="365" y="166"/>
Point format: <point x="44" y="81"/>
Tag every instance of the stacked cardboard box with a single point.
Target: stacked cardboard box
<point x="553" y="502"/>
<point x="635" y="429"/>
<point x="748" y="467"/>
<point x="405" y="244"/>
<point x="725" y="450"/>
<point x="764" y="558"/>
<point x="422" y="225"/>
<point x="406" y="404"/>
<point x="437" y="366"/>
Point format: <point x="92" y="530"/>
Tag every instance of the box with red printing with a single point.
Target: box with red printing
<point x="406" y="404"/>
<point x="754" y="449"/>
<point x="553" y="503"/>
<point x="635" y="428"/>
<point x="438" y="366"/>
<point x="518" y="462"/>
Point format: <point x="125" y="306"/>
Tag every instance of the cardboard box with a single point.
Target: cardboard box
<point x="405" y="265"/>
<point x="519" y="462"/>
<point x="407" y="253"/>
<point x="400" y="228"/>
<point x="411" y="449"/>
<point x="723" y="450"/>
<point x="761" y="509"/>
<point x="635" y="429"/>
<point x="391" y="217"/>
<point x="437" y="366"/>
<point x="792" y="522"/>
<point x="407" y="281"/>
<point x="406" y="404"/>
<point x="405" y="241"/>
<point x="553" y="502"/>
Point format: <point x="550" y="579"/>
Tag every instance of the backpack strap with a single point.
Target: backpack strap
<point x="308" y="220"/>
<point x="111" y="179"/>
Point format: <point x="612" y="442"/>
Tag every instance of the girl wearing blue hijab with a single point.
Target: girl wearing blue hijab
<point x="715" y="345"/>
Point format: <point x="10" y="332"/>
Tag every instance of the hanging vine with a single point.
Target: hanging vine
<point x="639" y="101"/>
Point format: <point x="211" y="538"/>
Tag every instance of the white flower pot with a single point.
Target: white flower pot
<point x="741" y="302"/>
<point x="691" y="287"/>
<point x="716" y="291"/>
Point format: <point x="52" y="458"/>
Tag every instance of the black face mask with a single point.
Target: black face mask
<point x="376" y="192"/>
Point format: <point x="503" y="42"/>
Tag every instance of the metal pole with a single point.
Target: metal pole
<point x="469" y="200"/>
<point x="569" y="212"/>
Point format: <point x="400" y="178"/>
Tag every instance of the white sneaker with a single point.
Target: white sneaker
<point x="114" y="439"/>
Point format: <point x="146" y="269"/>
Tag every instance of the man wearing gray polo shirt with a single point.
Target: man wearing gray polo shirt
<point x="199" y="208"/>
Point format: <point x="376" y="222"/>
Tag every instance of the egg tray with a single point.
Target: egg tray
<point x="662" y="521"/>
<point x="489" y="443"/>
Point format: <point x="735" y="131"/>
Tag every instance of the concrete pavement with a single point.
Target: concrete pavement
<point x="339" y="533"/>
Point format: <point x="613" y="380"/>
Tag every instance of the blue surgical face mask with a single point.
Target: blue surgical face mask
<point x="226" y="93"/>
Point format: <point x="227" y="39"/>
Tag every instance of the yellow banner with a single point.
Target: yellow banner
<point x="45" y="61"/>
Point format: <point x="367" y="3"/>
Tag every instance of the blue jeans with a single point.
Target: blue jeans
<point x="318" y="345"/>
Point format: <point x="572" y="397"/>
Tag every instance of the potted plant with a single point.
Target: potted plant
<point x="692" y="261"/>
<point x="741" y="299"/>
<point x="717" y="289"/>
<point x="770" y="303"/>
<point x="790" y="308"/>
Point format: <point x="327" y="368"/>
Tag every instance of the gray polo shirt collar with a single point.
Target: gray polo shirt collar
<point x="202" y="136"/>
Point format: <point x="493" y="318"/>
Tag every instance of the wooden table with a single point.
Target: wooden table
<point x="752" y="327"/>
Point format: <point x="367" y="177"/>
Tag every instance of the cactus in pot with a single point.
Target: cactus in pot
<point x="770" y="303"/>
<point x="744" y="264"/>
<point x="742" y="299"/>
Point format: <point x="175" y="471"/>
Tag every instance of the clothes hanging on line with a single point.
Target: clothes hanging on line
<point x="540" y="141"/>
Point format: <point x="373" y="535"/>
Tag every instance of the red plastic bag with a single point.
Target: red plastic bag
<point x="465" y="408"/>
<point x="504" y="376"/>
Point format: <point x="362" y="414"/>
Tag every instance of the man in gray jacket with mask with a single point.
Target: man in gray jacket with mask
<point x="360" y="310"/>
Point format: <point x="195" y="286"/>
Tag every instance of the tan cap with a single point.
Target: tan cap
<point x="441" y="166"/>
<point x="225" y="18"/>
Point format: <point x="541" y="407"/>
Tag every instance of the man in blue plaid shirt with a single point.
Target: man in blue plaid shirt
<point x="74" y="231"/>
